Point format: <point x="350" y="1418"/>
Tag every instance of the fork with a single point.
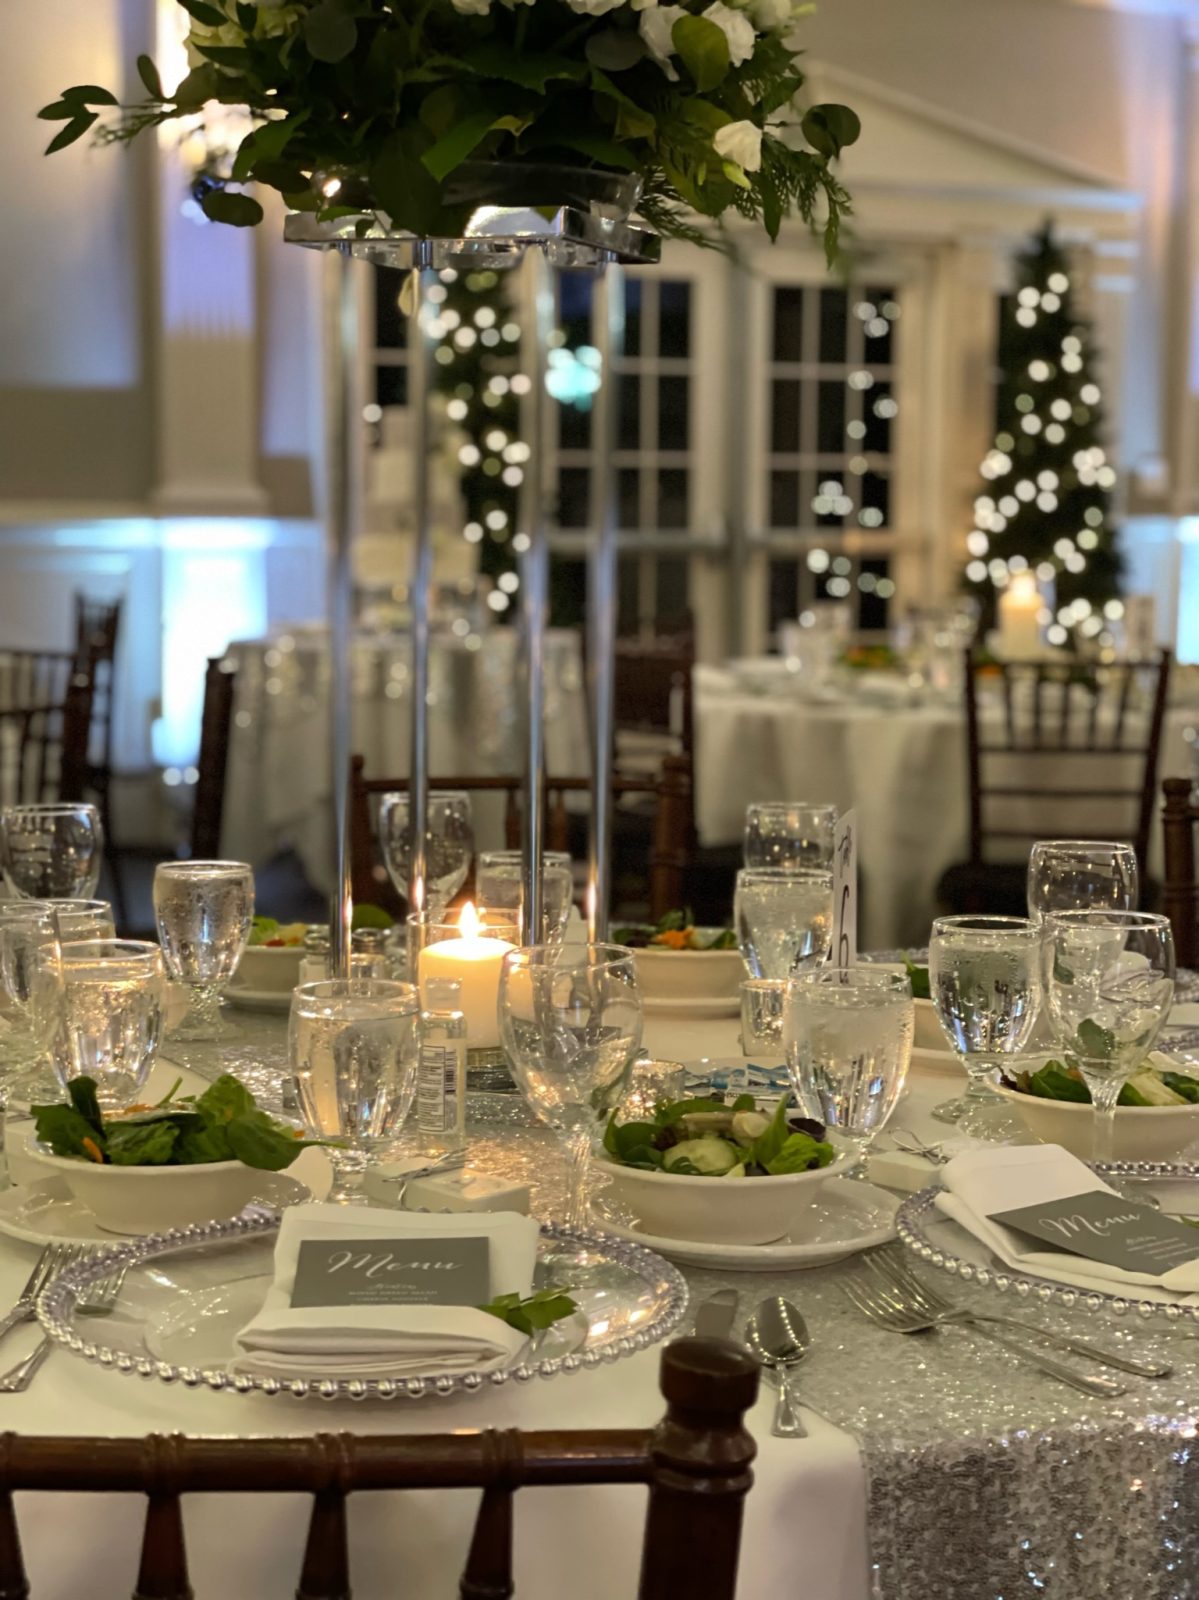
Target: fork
<point x="55" y="1258"/>
<point x="97" y="1301"/>
<point x="924" y="1298"/>
<point x="887" y="1307"/>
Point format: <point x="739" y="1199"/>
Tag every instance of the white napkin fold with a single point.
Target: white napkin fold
<point x="386" y="1341"/>
<point x="1006" y="1177"/>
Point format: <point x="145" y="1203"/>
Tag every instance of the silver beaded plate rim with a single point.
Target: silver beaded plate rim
<point x="919" y="1210"/>
<point x="56" y="1304"/>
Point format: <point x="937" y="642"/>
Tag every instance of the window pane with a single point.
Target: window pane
<point x="784" y="592"/>
<point x="784" y="499"/>
<point x="830" y="417"/>
<point x="880" y="329"/>
<point x="628" y="618"/>
<point x="877" y="410"/>
<point x="574" y="427"/>
<point x="634" y="289"/>
<point x="674" y="316"/>
<point x="575" y="307"/>
<point x="391" y="386"/>
<point x="673" y="593"/>
<point x="574" y="486"/>
<point x="568" y="591"/>
<point x="834" y="308"/>
<point x="628" y="481"/>
<point x="873" y="608"/>
<point x="391" y="325"/>
<point x="876" y="500"/>
<point x="673" y="421"/>
<point x="784" y="416"/>
<point x="672" y="498"/>
<point x="628" y="430"/>
<point x="788" y="324"/>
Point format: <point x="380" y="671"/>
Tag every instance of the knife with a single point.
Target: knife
<point x="714" y="1319"/>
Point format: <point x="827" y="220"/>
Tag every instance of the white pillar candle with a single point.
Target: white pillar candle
<point x="474" y="962"/>
<point x="1020" y="619"/>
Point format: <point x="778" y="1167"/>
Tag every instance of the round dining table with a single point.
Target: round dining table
<point x="935" y="1467"/>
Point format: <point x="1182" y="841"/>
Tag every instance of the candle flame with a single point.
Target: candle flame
<point x="469" y="925"/>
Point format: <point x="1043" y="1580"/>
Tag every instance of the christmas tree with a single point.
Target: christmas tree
<point x="1046" y="502"/>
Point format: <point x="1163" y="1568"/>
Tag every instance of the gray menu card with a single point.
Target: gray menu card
<point x="1106" y="1227"/>
<point x="393" y="1272"/>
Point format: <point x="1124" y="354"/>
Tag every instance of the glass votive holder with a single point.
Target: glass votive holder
<point x="763" y="1001"/>
<point x="470" y="949"/>
<point x="651" y="1084"/>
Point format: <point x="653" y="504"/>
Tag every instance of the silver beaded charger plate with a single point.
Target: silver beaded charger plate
<point x="943" y="1243"/>
<point x="851" y="1216"/>
<point x="187" y="1294"/>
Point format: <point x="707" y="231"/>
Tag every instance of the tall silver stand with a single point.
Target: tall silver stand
<point x="419" y="361"/>
<point x="608" y="324"/>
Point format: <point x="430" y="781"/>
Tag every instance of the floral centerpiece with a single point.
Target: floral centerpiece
<point x="374" y="105"/>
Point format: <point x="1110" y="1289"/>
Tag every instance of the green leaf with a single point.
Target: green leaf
<point x="65" y="1133"/>
<point x="368" y="916"/>
<point x="530" y="71"/>
<point x="403" y="185"/>
<point x="704" y="51"/>
<point x="633" y="121"/>
<point x="83" y="1096"/>
<point x="247" y="15"/>
<point x="210" y="16"/>
<point x="225" y="1099"/>
<point x="666" y="1115"/>
<point x="1095" y="1042"/>
<point x="800" y="1153"/>
<point x="142" y="1144"/>
<point x="59" y="111"/>
<point x="918" y="978"/>
<point x="538" y="1311"/>
<point x="200" y="85"/>
<point x="615" y="50"/>
<point x="90" y="94"/>
<point x="768" y="1145"/>
<point x="148" y="73"/>
<point x="238" y="210"/>
<point x="71" y="131"/>
<point x="258" y="1141"/>
<point x="452" y="149"/>
<point x="829" y="128"/>
<point x="606" y="151"/>
<point x="329" y="32"/>
<point x="744" y="1102"/>
<point x="203" y="1144"/>
<point x="266" y="142"/>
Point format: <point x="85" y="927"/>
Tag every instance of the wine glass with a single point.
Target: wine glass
<point x="112" y="994"/>
<point x="51" y="852"/>
<point x="784" y="919"/>
<point x="499" y="879"/>
<point x="789" y="834"/>
<point x="1081" y="875"/>
<point x="984" y="975"/>
<point x="1109" y="985"/>
<point x="848" y="1036"/>
<point x="81" y="919"/>
<point x="203" y="910"/>
<point x="449" y="844"/>
<point x="354" y="1046"/>
<point x="570" y="1024"/>
<point x="30" y="992"/>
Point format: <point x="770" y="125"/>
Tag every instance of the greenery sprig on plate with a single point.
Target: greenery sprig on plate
<point x="699" y="101"/>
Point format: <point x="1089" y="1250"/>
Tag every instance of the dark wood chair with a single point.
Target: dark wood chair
<point x="696" y="1464"/>
<point x="1051" y="716"/>
<point x="216" y="721"/>
<point x="43" y="747"/>
<point x="97" y="627"/>
<point x="1180" y="888"/>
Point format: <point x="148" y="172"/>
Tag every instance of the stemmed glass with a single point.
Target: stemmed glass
<point x="51" y="852"/>
<point x="1109" y="985"/>
<point x="354" y="1047"/>
<point x="784" y="919"/>
<point x="499" y="876"/>
<point x="111" y="1015"/>
<point x="984" y="975"/>
<point x="789" y="834"/>
<point x="81" y="919"/>
<point x="848" y="1037"/>
<point x="570" y="1024"/>
<point x="204" y="910"/>
<point x="449" y="844"/>
<point x="30" y="993"/>
<point x="1081" y="875"/>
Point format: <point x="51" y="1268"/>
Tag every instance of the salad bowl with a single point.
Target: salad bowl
<point x="1143" y="1133"/>
<point x="270" y="963"/>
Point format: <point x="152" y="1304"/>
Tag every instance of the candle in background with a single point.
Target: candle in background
<point x="1020" y="608"/>
<point x="473" y="961"/>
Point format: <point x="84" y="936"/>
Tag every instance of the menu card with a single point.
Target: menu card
<point x="393" y="1272"/>
<point x="845" y="891"/>
<point x="1103" y="1226"/>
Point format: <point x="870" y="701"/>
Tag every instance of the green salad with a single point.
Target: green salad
<point x="1151" y="1086"/>
<point x="222" y="1124"/>
<point x="675" y="931"/>
<point x="712" y="1139"/>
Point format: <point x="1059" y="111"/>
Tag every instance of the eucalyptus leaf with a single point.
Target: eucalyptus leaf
<point x="148" y="73"/>
<point x="829" y="128"/>
<point x="200" y="85"/>
<point x="452" y="149"/>
<point x="59" y="111"/>
<point x="72" y="131"/>
<point x="533" y="70"/>
<point x="615" y="50"/>
<point x="329" y="33"/>
<point x="90" y="94"/>
<point x="210" y="16"/>
<point x="238" y="210"/>
<point x="704" y="51"/>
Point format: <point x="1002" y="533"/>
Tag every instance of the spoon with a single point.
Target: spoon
<point x="778" y="1336"/>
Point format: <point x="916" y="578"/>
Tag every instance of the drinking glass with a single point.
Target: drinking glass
<point x="354" y="1047"/>
<point x="51" y="852"/>
<point x="784" y="919"/>
<point x="789" y="834"/>
<point x="111" y="1015"/>
<point x="30" y="993"/>
<point x="762" y="1004"/>
<point x="449" y="844"/>
<point x="81" y="919"/>
<point x="1109" y="985"/>
<point x="498" y="880"/>
<point x="848" y="1036"/>
<point x="651" y="1084"/>
<point x="204" y="910"/>
<point x="984" y="977"/>
<point x="570" y="1024"/>
<point x="1081" y="875"/>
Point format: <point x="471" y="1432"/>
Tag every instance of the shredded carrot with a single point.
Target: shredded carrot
<point x="674" y="939"/>
<point x="93" y="1150"/>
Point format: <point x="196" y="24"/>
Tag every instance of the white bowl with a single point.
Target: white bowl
<point x="1143" y="1133"/>
<point x="141" y="1200"/>
<point x="270" y="968"/>
<point x="682" y="975"/>
<point x="722" y="1210"/>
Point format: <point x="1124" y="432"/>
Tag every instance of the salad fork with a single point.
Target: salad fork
<point x="55" y="1258"/>
<point x="97" y="1301"/>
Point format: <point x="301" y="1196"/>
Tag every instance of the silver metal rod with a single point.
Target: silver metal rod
<point x="608" y="332"/>
<point x="419" y="385"/>
<point x="344" y="481"/>
<point x="537" y="323"/>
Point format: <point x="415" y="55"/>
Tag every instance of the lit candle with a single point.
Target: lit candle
<point x="1020" y="619"/>
<point x="474" y="961"/>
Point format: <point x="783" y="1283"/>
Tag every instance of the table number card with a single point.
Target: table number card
<point x="1106" y="1227"/>
<point x="393" y="1272"/>
<point x="844" y="952"/>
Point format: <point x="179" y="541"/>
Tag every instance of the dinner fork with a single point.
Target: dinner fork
<point x="884" y="1305"/>
<point x="97" y="1301"/>
<point x="924" y="1298"/>
<point x="55" y="1258"/>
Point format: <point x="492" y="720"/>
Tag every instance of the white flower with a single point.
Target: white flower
<point x="737" y="29"/>
<point x="770" y="16"/>
<point x="740" y="142"/>
<point x="593" y="8"/>
<point x="472" y="8"/>
<point x="643" y="5"/>
<point x="275" y="17"/>
<point x="656" y="25"/>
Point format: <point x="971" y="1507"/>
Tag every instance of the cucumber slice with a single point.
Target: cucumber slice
<point x="711" y="1158"/>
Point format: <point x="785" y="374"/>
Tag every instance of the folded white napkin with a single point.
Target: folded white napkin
<point x="384" y="1341"/>
<point x="1007" y="1177"/>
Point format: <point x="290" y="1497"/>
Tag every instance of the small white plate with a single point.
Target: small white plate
<point x="45" y="1213"/>
<point x="721" y="1005"/>
<point x="854" y="1216"/>
<point x="274" y="1000"/>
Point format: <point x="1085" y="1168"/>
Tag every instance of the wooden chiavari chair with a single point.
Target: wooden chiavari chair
<point x="1180" y="890"/>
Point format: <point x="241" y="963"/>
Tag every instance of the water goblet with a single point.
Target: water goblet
<point x="763" y="1001"/>
<point x="51" y="852"/>
<point x="1081" y="875"/>
<point x="984" y="976"/>
<point x="449" y="844"/>
<point x="784" y="919"/>
<point x="499" y="878"/>
<point x="848" y="1036"/>
<point x="789" y="834"/>
<point x="354" y="1047"/>
<point x="30" y="993"/>
<point x="1109" y="985"/>
<point x="204" y="910"/>
<point x="570" y="1024"/>
<point x="112" y="995"/>
<point x="81" y="919"/>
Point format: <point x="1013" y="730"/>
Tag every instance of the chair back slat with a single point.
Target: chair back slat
<point x="162" y="1573"/>
<point x="488" y="1571"/>
<point x="216" y="723"/>
<point x="325" y="1574"/>
<point x="1180" y="891"/>
<point x="14" y="1585"/>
